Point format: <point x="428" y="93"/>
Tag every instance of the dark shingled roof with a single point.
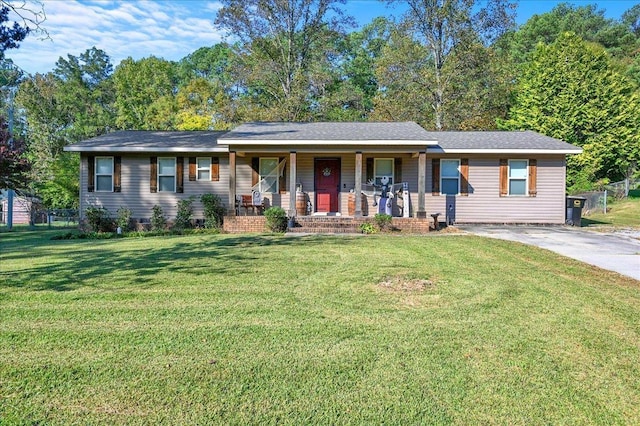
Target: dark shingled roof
<point x="145" y="141"/>
<point x="503" y="141"/>
<point x="293" y="134"/>
<point x="343" y="131"/>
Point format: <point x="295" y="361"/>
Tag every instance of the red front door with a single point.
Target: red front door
<point x="327" y="184"/>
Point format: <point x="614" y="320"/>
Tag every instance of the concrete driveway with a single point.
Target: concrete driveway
<point x="616" y="251"/>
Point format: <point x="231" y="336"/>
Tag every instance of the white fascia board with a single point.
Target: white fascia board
<point x="74" y="148"/>
<point x="294" y="143"/>
<point x="503" y="151"/>
<point x="328" y="150"/>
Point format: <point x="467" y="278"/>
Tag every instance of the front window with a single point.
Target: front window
<point x="383" y="168"/>
<point x="268" y="175"/>
<point x="104" y="174"/>
<point x="167" y="174"/>
<point x="204" y="168"/>
<point x="518" y="177"/>
<point x="450" y="177"/>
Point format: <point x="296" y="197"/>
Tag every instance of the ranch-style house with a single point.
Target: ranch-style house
<point x="319" y="170"/>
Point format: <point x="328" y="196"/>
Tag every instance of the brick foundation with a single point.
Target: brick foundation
<point x="240" y="224"/>
<point x="412" y="225"/>
<point x="319" y="224"/>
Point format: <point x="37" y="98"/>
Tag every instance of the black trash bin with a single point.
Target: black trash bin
<point x="574" y="210"/>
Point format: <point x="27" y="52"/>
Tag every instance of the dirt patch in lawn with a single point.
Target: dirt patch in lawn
<point x="405" y="284"/>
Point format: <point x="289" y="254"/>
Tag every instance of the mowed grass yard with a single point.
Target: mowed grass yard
<point x="262" y="329"/>
<point x="621" y="213"/>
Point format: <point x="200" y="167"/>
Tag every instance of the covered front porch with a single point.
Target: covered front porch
<point x="330" y="170"/>
<point x="328" y="183"/>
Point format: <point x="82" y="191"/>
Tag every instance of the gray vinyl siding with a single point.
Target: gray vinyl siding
<point x="136" y="194"/>
<point x="484" y="203"/>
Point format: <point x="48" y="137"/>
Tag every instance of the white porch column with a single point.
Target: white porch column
<point x="358" y="185"/>
<point x="422" y="184"/>
<point x="293" y="176"/>
<point x="231" y="210"/>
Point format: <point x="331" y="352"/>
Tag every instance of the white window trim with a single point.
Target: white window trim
<point x="261" y="176"/>
<point x="375" y="169"/>
<point x="104" y="174"/>
<point x="175" y="167"/>
<point x="199" y="169"/>
<point x="441" y="178"/>
<point x="526" y="178"/>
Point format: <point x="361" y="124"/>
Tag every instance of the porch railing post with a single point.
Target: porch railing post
<point x="422" y="184"/>
<point x="358" y="185"/>
<point x="292" y="183"/>
<point x="231" y="210"/>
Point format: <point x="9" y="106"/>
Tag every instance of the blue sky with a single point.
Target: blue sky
<point x="172" y="29"/>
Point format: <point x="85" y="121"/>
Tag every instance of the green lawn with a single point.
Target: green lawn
<point x="206" y="329"/>
<point x="621" y="213"/>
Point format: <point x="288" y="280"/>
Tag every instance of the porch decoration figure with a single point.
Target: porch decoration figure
<point x="386" y="196"/>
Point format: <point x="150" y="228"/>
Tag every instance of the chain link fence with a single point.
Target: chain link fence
<point x="620" y="190"/>
<point x="595" y="201"/>
<point x="39" y="217"/>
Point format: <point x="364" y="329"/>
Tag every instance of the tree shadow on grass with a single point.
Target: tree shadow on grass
<point x="88" y="263"/>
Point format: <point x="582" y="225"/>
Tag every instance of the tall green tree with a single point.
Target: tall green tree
<point x="14" y="165"/>
<point x="11" y="34"/>
<point x="571" y="90"/>
<point x="631" y="18"/>
<point x="145" y="94"/>
<point x="281" y="45"/>
<point x="483" y="90"/>
<point x="449" y="31"/>
<point x="86" y="94"/>
<point x="403" y="73"/>
<point x="203" y="105"/>
<point x="214" y="63"/>
<point x="350" y="94"/>
<point x="588" y="22"/>
<point x="71" y="103"/>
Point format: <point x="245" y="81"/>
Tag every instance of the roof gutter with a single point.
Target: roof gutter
<point x="439" y="150"/>
<point x="76" y="148"/>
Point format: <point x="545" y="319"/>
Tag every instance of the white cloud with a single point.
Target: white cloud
<point x="161" y="28"/>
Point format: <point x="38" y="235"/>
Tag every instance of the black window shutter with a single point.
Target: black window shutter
<point x="533" y="177"/>
<point x="464" y="176"/>
<point x="153" y="174"/>
<point x="255" y="170"/>
<point x="435" y="176"/>
<point x="397" y="170"/>
<point x="91" y="173"/>
<point x="369" y="170"/>
<point x="192" y="169"/>
<point x="117" y="174"/>
<point x="180" y="175"/>
<point x="504" y="177"/>
<point x="215" y="169"/>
